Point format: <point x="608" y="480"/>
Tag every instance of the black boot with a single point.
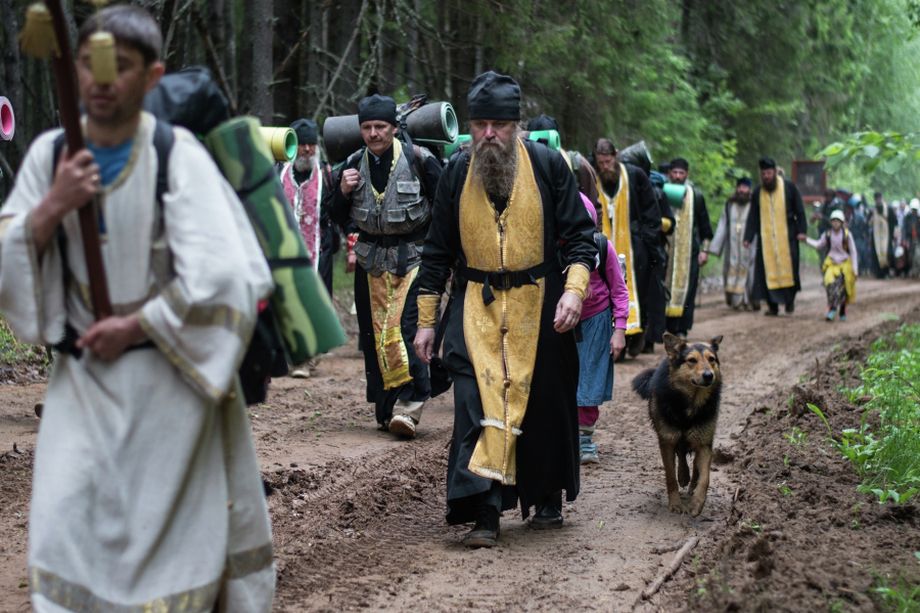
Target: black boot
<point x="485" y="532"/>
<point x="549" y="513"/>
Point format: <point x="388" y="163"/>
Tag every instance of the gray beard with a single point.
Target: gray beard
<point x="303" y="164"/>
<point x="496" y="167"/>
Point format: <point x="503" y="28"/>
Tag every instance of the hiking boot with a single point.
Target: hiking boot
<point x="649" y="347"/>
<point x="790" y="308"/>
<point x="486" y="530"/>
<point x="549" y="513"/>
<point x="831" y="315"/>
<point x="843" y="318"/>
<point x="402" y="425"/>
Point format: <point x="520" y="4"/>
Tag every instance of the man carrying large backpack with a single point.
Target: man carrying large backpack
<point x="385" y="190"/>
<point x="146" y="485"/>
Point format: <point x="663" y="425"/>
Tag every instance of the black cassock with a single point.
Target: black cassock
<point x="547" y="450"/>
<point x="702" y="230"/>
<point x="795" y="224"/>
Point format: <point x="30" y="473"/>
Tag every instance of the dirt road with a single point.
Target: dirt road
<point x="358" y="517"/>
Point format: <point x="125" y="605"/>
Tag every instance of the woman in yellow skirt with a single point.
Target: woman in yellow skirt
<point x="840" y="267"/>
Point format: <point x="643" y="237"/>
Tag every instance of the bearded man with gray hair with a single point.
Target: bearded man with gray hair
<point x="509" y="222"/>
<point x="306" y="180"/>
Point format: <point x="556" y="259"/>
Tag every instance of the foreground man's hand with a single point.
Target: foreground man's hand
<point x="424" y="344"/>
<point x="568" y="312"/>
<point x="107" y="339"/>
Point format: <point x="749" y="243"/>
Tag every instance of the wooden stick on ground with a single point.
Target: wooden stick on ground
<point x="653" y="588"/>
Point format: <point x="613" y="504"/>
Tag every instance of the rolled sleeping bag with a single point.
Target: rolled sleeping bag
<point x="435" y="122"/>
<point x="675" y="194"/>
<point x="7" y="119"/>
<point x="341" y="137"/>
<point x="550" y="138"/>
<point x="282" y="142"/>
<point x="306" y="318"/>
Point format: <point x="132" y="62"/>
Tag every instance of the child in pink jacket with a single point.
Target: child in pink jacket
<point x="603" y="337"/>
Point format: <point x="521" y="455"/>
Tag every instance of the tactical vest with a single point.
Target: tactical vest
<point x="392" y="230"/>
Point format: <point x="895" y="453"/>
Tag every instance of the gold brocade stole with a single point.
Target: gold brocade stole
<point x="680" y="244"/>
<point x="620" y="235"/>
<point x="774" y="237"/>
<point x="388" y="294"/>
<point x="501" y="339"/>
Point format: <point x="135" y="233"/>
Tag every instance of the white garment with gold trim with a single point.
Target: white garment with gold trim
<point x="146" y="494"/>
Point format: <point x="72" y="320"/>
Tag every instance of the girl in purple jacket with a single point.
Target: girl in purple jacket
<point x="603" y="332"/>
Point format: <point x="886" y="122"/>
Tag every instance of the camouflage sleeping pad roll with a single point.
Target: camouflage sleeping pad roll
<point x="306" y="317"/>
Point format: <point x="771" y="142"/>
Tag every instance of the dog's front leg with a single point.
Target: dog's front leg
<point x="670" y="478"/>
<point x="701" y="461"/>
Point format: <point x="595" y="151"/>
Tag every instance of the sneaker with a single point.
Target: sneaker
<point x="843" y="318"/>
<point x="589" y="454"/>
<point x="300" y="373"/>
<point x="588" y="449"/>
<point x="831" y="315"/>
<point x="402" y="425"/>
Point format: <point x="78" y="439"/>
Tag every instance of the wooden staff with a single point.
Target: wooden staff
<point x="62" y="63"/>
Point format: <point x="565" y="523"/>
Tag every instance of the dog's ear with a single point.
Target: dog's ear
<point x="673" y="345"/>
<point x="715" y="341"/>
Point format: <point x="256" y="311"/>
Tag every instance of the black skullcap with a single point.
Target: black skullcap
<point x="766" y="163"/>
<point x="494" y="96"/>
<point x="744" y="181"/>
<point x="680" y="163"/>
<point x="377" y="108"/>
<point x="542" y="122"/>
<point x="306" y="131"/>
<point x="605" y="146"/>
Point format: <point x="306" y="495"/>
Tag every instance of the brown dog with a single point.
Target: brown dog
<point x="683" y="404"/>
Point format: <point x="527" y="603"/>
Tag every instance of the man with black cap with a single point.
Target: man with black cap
<point x="509" y="221"/>
<point x="631" y="219"/>
<point x="580" y="167"/>
<point x="737" y="260"/>
<point x="777" y="220"/>
<point x="687" y="248"/>
<point x="306" y="180"/>
<point x="384" y="190"/>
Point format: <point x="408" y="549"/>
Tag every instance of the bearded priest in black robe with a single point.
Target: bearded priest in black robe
<point x="508" y="220"/>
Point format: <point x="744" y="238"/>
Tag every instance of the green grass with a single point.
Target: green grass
<point x="886" y="454"/>
<point x="901" y="596"/>
<point x="15" y="354"/>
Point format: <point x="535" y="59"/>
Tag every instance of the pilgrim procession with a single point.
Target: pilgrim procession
<point x="461" y="305"/>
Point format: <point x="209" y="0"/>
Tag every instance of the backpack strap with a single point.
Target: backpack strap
<point x="600" y="240"/>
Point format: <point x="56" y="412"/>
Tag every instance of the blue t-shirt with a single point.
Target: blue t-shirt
<point x="111" y="160"/>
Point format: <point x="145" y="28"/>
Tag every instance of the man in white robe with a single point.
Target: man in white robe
<point x="728" y="242"/>
<point x="146" y="491"/>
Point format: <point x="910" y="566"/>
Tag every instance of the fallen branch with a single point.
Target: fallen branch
<point x="666" y="549"/>
<point x="652" y="589"/>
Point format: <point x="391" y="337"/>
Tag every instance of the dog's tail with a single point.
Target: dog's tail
<point x="641" y="383"/>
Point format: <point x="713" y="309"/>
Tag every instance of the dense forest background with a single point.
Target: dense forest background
<point x="720" y="82"/>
